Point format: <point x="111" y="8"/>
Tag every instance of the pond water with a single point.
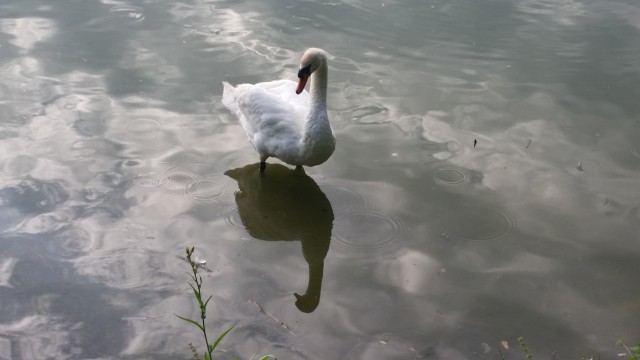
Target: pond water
<point x="485" y="184"/>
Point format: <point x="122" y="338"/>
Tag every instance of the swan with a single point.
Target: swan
<point x="292" y="128"/>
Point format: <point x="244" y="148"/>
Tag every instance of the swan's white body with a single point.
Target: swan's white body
<point x="282" y="124"/>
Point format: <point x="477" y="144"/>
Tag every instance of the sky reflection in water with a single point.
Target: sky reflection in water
<point x="410" y="242"/>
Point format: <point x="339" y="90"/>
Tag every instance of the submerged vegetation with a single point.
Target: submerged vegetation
<point x="196" y="285"/>
<point x="632" y="351"/>
<point x="523" y="347"/>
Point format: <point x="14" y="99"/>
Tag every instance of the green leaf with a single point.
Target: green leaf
<point x="222" y="336"/>
<point x="206" y="302"/>
<point x="206" y="356"/>
<point x="197" y="294"/>
<point x="191" y="321"/>
<point x="267" y="357"/>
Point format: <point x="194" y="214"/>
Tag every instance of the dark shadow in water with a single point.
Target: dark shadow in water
<point x="287" y="205"/>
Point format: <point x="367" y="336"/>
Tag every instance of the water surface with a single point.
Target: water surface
<point x="411" y="242"/>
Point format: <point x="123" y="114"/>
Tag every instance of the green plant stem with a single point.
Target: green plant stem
<point x="203" y="306"/>
<point x="196" y="286"/>
<point x="525" y="350"/>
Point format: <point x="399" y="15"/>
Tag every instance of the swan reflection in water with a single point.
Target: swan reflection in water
<point x="287" y="205"/>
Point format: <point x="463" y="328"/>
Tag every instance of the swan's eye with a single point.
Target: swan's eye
<point x="304" y="72"/>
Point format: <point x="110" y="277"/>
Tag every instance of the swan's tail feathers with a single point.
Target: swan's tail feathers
<point x="229" y="97"/>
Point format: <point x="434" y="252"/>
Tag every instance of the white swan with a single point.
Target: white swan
<point x="293" y="128"/>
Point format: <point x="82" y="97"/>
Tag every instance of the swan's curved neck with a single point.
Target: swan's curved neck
<point x="318" y="89"/>
<point x="318" y="141"/>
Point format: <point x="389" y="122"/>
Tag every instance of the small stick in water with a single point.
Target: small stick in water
<point x="528" y="144"/>
<point x="276" y="319"/>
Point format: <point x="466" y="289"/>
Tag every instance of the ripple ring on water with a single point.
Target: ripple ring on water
<point x="149" y="180"/>
<point x="142" y="126"/>
<point x="206" y="190"/>
<point x="478" y="223"/>
<point x="368" y="232"/>
<point x="342" y="197"/>
<point x="179" y="181"/>
<point x="450" y="176"/>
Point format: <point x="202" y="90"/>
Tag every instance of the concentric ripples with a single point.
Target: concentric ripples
<point x="450" y="176"/>
<point x="138" y="126"/>
<point x="178" y="181"/>
<point x="200" y="189"/>
<point x="344" y="198"/>
<point x="144" y="127"/>
<point x="211" y="188"/>
<point x="149" y="180"/>
<point x="477" y="223"/>
<point x="367" y="233"/>
<point x="195" y="167"/>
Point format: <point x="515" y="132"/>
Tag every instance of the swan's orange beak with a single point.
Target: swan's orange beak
<point x="301" y="83"/>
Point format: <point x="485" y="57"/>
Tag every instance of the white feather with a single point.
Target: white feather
<point x="280" y="123"/>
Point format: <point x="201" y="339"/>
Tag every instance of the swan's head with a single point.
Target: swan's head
<point x="311" y="61"/>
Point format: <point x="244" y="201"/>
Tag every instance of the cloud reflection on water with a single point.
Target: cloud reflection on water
<point x="28" y="31"/>
<point x="114" y="109"/>
<point x="39" y="337"/>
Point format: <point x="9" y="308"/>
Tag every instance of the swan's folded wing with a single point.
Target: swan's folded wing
<point x="273" y="117"/>
<point x="268" y="113"/>
<point x="285" y="90"/>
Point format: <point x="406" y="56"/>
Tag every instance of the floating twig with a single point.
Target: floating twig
<point x="276" y="319"/>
